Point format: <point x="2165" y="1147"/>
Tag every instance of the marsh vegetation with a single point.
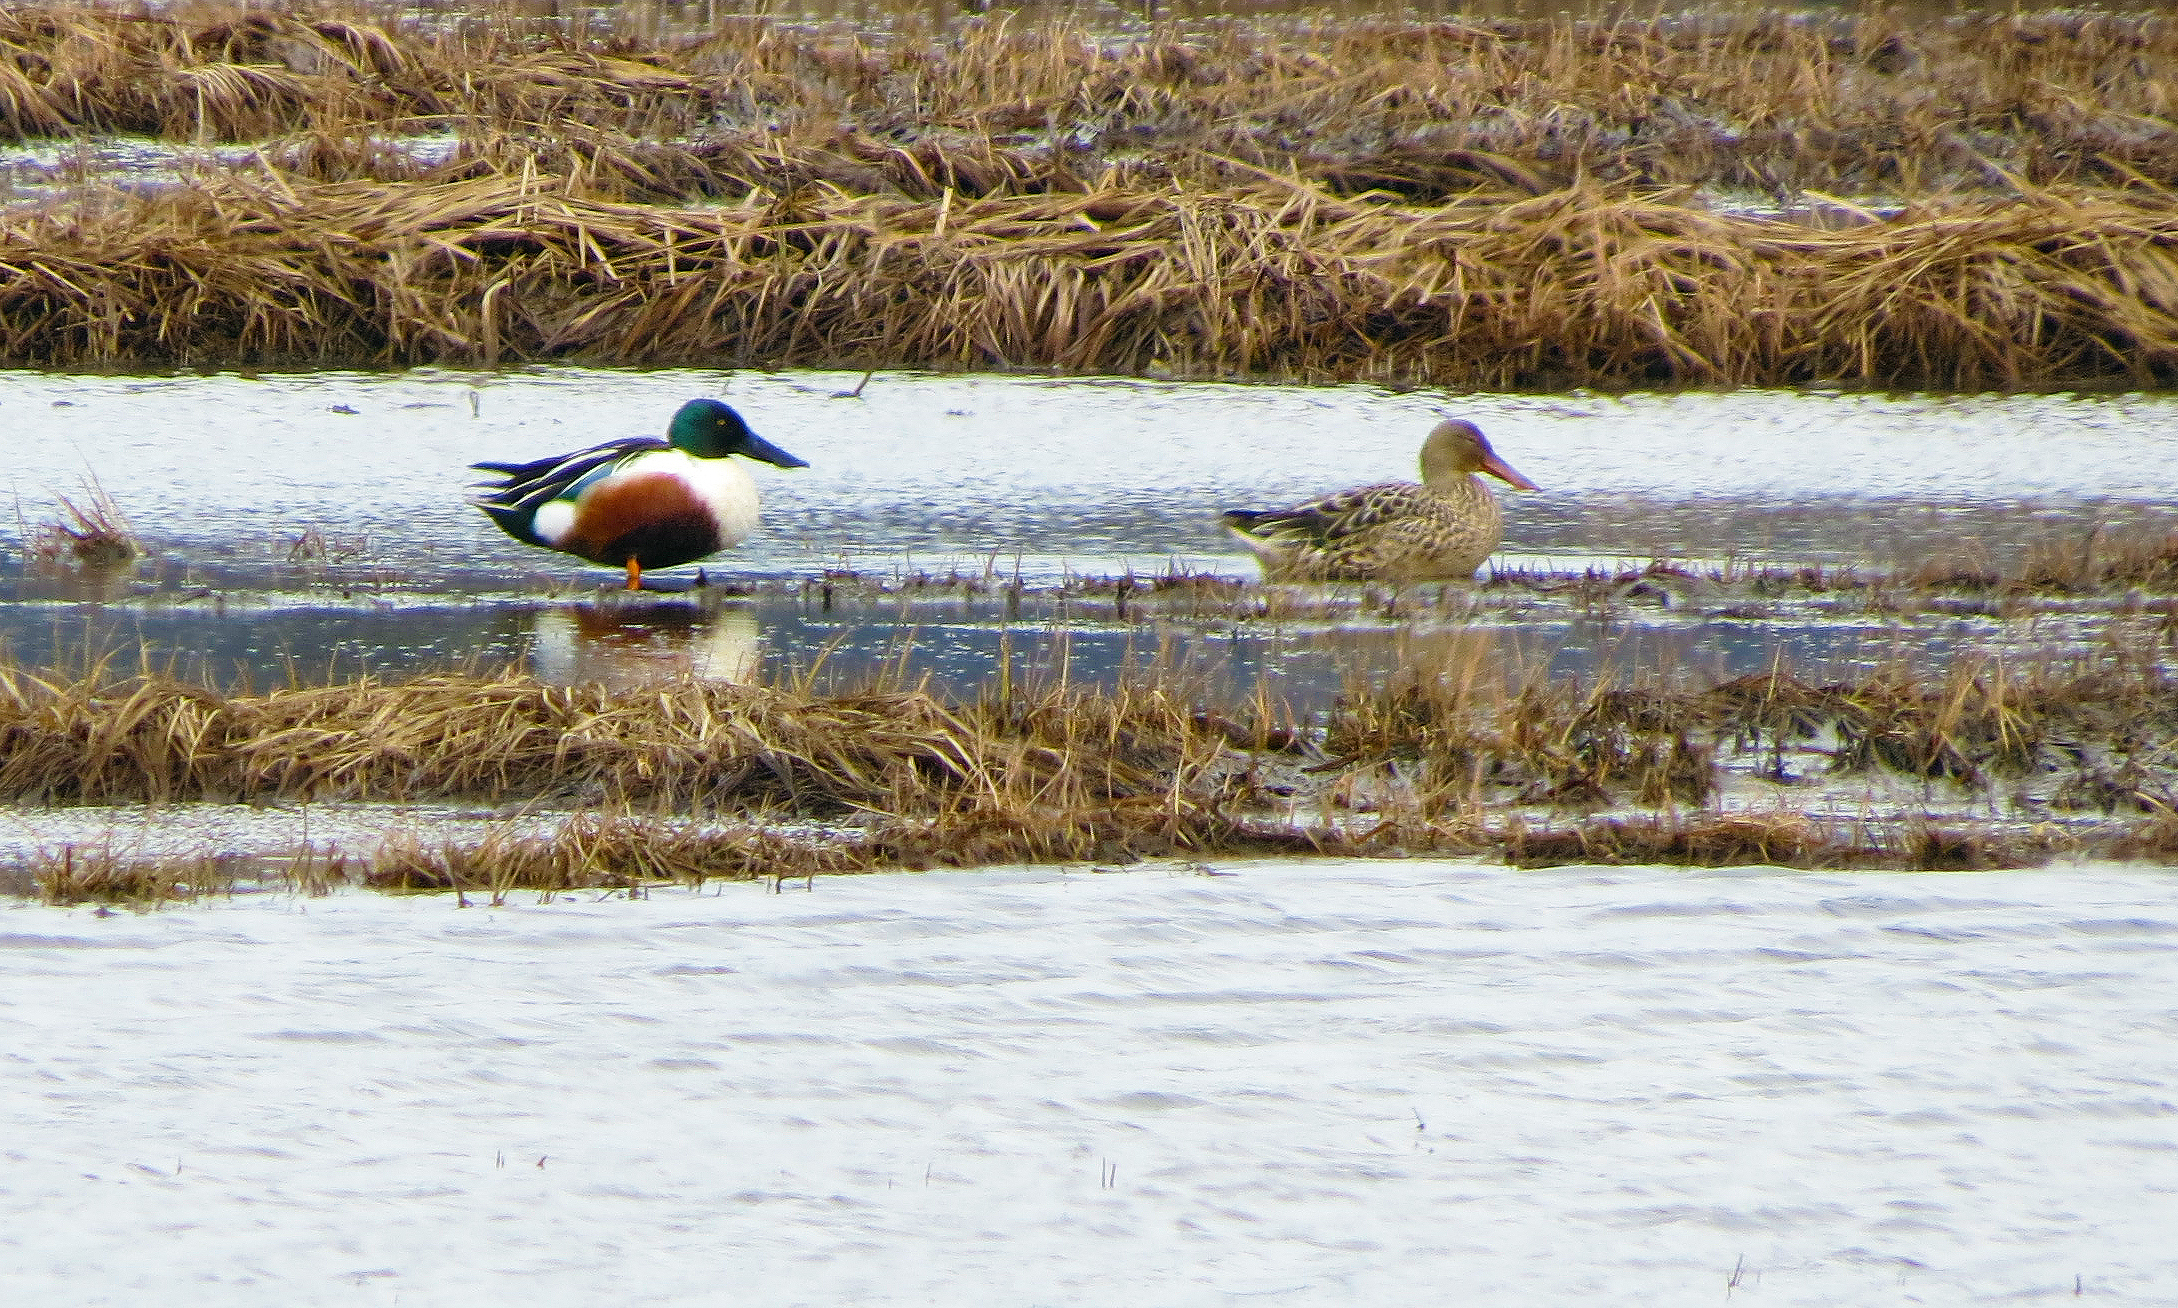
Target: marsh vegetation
<point x="325" y="703"/>
<point x="1994" y="759"/>
<point x="1501" y="203"/>
<point x="1734" y="197"/>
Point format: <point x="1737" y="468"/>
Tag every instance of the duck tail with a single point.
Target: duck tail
<point x="516" y="520"/>
<point x="1243" y="521"/>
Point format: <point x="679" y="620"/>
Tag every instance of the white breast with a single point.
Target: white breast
<point x="724" y="488"/>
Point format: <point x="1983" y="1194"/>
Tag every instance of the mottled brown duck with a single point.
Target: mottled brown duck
<point x="1440" y="530"/>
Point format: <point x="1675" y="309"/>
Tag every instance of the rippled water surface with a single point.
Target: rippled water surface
<point x="1321" y="1083"/>
<point x="299" y="523"/>
<point x="1077" y="474"/>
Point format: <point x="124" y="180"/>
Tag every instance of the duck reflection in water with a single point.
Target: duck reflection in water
<point x="642" y="645"/>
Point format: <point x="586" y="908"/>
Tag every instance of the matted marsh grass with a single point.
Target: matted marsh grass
<point x="2059" y="736"/>
<point x="689" y="744"/>
<point x="103" y="872"/>
<point x="1763" y="100"/>
<point x="1464" y="753"/>
<point x="620" y="853"/>
<point x="1449" y="203"/>
<point x="1279" y="280"/>
<point x="1795" y="840"/>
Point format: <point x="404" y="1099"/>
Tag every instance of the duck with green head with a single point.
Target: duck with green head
<point x="640" y="502"/>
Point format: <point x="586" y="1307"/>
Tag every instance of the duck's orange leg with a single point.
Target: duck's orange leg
<point x="635" y="575"/>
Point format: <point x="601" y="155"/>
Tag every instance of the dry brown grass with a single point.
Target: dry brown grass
<point x="683" y="784"/>
<point x="1468" y="736"/>
<point x="205" y="74"/>
<point x="1766" y="101"/>
<point x="1048" y="196"/>
<point x="1054" y="767"/>
<point x="620" y="850"/>
<point x="1467" y="750"/>
<point x="2154" y="841"/>
<point x="1790" y="840"/>
<point x="102" y="872"/>
<point x="155" y="739"/>
<point x="621" y="853"/>
<point x="1462" y="726"/>
<point x="1461" y="204"/>
<point x="1585" y="285"/>
<point x="596" y="850"/>
<point x="97" y="873"/>
<point x="1030" y="773"/>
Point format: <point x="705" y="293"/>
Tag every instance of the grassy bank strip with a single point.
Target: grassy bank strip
<point x="1584" y="286"/>
<point x="691" y="744"/>
<point x="1454" y="204"/>
<point x="1461" y="732"/>
<point x="619" y="850"/>
<point x="622" y="853"/>
<point x="1993" y="762"/>
<point x="1766" y="101"/>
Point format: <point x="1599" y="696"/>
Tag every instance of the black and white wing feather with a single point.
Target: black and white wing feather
<point x="522" y="488"/>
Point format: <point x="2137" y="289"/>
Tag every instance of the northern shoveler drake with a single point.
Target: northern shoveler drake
<point x="1441" y="530"/>
<point x="641" y="502"/>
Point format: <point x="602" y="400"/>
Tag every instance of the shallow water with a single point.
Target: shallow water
<point x="1311" y="1082"/>
<point x="1055" y="476"/>
<point x="306" y="523"/>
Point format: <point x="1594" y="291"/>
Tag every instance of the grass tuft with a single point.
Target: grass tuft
<point x="93" y="533"/>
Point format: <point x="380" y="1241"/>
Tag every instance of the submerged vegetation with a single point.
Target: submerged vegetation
<point x="1459" y="203"/>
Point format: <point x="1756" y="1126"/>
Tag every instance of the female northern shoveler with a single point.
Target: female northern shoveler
<point x="1441" y="530"/>
<point x="641" y="502"/>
